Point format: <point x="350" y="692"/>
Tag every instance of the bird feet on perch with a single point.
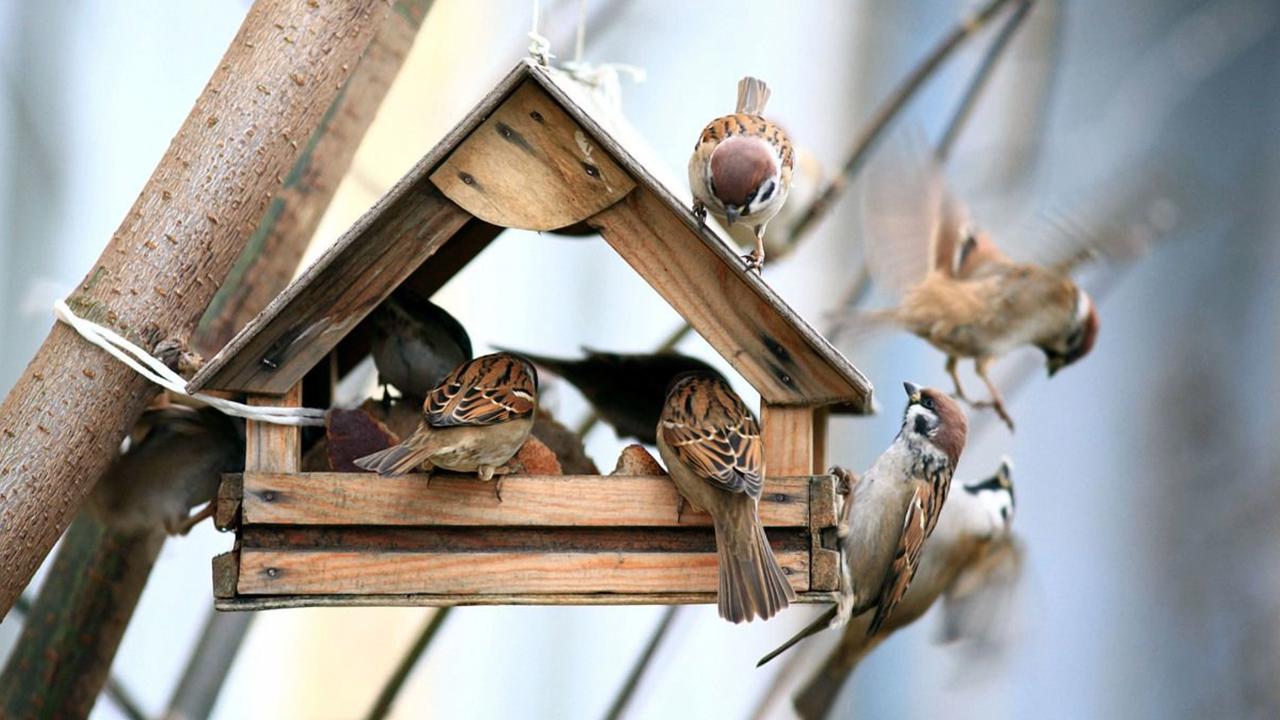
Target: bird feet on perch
<point x="700" y="212"/>
<point x="183" y="526"/>
<point x="754" y="261"/>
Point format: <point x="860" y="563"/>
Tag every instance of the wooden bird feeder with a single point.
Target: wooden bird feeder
<point x="534" y="154"/>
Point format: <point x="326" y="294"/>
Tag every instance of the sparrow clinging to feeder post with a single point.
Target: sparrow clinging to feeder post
<point x="475" y="420"/>
<point x="972" y="562"/>
<point x="895" y="507"/>
<point x="741" y="167"/>
<point x="710" y="443"/>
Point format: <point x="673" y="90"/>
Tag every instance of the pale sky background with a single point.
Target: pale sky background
<point x="1146" y="476"/>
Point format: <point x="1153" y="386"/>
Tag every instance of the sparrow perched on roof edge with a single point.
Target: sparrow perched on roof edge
<point x="741" y="167"/>
<point x="957" y="289"/>
<point x="896" y="505"/>
<point x="176" y="466"/>
<point x="972" y="562"/>
<point x="475" y="420"/>
<point x="710" y="443"/>
<point x="627" y="390"/>
<point x="416" y="343"/>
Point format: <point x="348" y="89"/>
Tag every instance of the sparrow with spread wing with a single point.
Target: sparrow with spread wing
<point x="475" y="420"/>
<point x="971" y="562"/>
<point x="957" y="289"/>
<point x="895" y="507"/>
<point x="710" y="443"/>
<point x="627" y="390"/>
<point x="741" y="167"/>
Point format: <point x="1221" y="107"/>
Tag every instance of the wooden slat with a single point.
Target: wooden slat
<point x="824" y="555"/>
<point x="530" y="166"/>
<point x="308" y="319"/>
<point x="240" y="603"/>
<point x="750" y="328"/>
<point x="226" y="574"/>
<point x="273" y="448"/>
<point x="560" y="500"/>
<point x="821" y="417"/>
<point x="264" y="572"/>
<point x="397" y="227"/>
<point x="226" y="511"/>
<point x="788" y="439"/>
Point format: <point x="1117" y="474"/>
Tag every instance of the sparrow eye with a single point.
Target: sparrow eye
<point x="768" y="191"/>
<point x="927" y="402"/>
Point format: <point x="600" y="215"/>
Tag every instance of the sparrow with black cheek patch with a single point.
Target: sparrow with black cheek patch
<point x="896" y="505"/>
<point x="710" y="443"/>
<point x="177" y="465"/>
<point x="957" y="289"/>
<point x="741" y="167"/>
<point x="972" y="562"/>
<point x="416" y="343"/>
<point x="475" y="420"/>
<point x="627" y="390"/>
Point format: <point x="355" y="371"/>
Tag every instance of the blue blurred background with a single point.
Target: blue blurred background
<point x="1148" y="476"/>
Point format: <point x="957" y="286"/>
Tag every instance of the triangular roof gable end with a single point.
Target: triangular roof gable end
<point x="534" y="154"/>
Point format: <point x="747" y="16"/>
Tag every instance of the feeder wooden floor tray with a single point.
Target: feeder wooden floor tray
<point x="358" y="539"/>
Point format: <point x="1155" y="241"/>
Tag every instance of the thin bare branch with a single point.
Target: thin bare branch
<point x="628" y="689"/>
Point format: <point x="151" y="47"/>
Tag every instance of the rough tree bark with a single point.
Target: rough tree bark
<point x="61" y="424"/>
<point x="50" y="655"/>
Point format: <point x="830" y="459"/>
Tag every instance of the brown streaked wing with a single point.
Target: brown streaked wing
<point x="714" y="433"/>
<point x="486" y="391"/>
<point x="907" y="559"/>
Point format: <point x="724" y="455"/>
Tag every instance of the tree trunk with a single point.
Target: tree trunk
<point x="56" y="668"/>
<point x="62" y="423"/>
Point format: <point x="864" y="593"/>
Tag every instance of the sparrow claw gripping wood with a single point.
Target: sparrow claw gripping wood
<point x="475" y="420"/>
<point x="972" y="564"/>
<point x="741" y="167"/>
<point x="895" y="508"/>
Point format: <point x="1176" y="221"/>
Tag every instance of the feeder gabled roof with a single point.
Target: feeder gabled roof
<point x="537" y="153"/>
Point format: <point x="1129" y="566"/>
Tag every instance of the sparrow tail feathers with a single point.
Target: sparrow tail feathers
<point x="753" y="94"/>
<point x="752" y="583"/>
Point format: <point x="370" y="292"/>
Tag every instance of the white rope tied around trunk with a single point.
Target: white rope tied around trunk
<point x="157" y="372"/>
<point x="539" y="45"/>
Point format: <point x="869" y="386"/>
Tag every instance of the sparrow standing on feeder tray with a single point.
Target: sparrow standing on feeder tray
<point x="475" y="420"/>
<point x="958" y="290"/>
<point x="711" y="445"/>
<point x="895" y="506"/>
<point x="741" y="167"/>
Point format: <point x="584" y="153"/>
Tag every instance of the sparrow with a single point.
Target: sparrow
<point x="626" y="390"/>
<point x="971" y="562"/>
<point x="895" y="507"/>
<point x="416" y="343"/>
<point x="175" y="466"/>
<point x="710" y="443"/>
<point x="808" y="178"/>
<point x="475" y="420"/>
<point x="958" y="290"/>
<point x="741" y="167"/>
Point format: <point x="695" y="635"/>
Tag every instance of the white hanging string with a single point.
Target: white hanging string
<point x="157" y="372"/>
<point x="603" y="79"/>
<point x="539" y="45"/>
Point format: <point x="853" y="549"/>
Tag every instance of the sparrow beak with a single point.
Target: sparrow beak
<point x="1054" y="366"/>
<point x="731" y="215"/>
<point x="913" y="391"/>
